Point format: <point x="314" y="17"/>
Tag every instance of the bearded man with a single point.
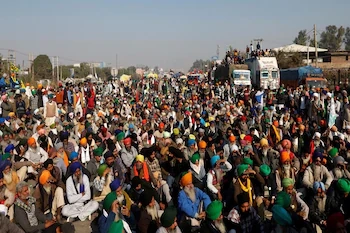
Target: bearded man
<point x="149" y="218"/>
<point x="285" y="170"/>
<point x="316" y="143"/>
<point x="79" y="195"/>
<point x="128" y="153"/>
<point x="35" y="154"/>
<point x="10" y="177"/>
<point x="317" y="206"/>
<point x="190" y="199"/>
<point x="49" y="197"/>
<point x="101" y="182"/>
<point x="50" y="111"/>
<point x="340" y="168"/>
<point x="317" y="172"/>
<point x="213" y="222"/>
<point x="168" y="221"/>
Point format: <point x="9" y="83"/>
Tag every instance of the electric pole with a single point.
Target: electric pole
<point x="58" y="71"/>
<point x="116" y="61"/>
<point x="315" y="39"/>
<point x="218" y="51"/>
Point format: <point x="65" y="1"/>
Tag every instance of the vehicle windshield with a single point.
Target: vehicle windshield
<point x="241" y="76"/>
<point x="264" y="74"/>
<point x="274" y="74"/>
<point x="316" y="83"/>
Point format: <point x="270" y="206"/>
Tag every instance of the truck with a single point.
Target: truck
<point x="222" y="73"/>
<point x="241" y="79"/>
<point x="307" y="76"/>
<point x="264" y="72"/>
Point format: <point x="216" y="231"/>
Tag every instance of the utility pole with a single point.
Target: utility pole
<point x="31" y="60"/>
<point x="315" y="39"/>
<point x="116" y="60"/>
<point x="218" y="51"/>
<point x="53" y="67"/>
<point x="58" y="71"/>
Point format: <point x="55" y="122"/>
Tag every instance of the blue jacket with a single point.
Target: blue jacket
<point x="188" y="207"/>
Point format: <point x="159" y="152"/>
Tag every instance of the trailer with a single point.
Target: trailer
<point x="307" y="76"/>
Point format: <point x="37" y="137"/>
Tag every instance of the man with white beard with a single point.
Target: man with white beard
<point x="316" y="143"/>
<point x="10" y="177"/>
<point x="340" y="168"/>
<point x="35" y="154"/>
<point x="78" y="195"/>
<point x="317" y="214"/>
<point x="213" y="222"/>
<point x="317" y="172"/>
<point x="49" y="197"/>
<point x="192" y="201"/>
<point x="149" y="218"/>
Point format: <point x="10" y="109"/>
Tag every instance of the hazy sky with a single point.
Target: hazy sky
<point x="170" y="34"/>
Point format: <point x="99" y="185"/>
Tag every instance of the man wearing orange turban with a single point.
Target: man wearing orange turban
<point x="35" y="154"/>
<point x="49" y="197"/>
<point x="190" y="198"/>
<point x="84" y="151"/>
<point x="286" y="170"/>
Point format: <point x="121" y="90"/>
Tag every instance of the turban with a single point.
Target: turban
<point x="202" y="145"/>
<point x="265" y="170"/>
<point x="299" y="120"/>
<point x="4" y="164"/>
<point x="281" y="216"/>
<point x="120" y="136"/>
<point x="284" y="156"/>
<point x="179" y="141"/>
<point x="131" y="126"/>
<point x="176" y="152"/>
<point x="241" y="169"/>
<point x="248" y="138"/>
<point x="74" y="167"/>
<point x="214" y="160"/>
<point x="108" y="154"/>
<point x="41" y="131"/>
<point x="9" y="148"/>
<point x="264" y="142"/>
<point x="11" y="114"/>
<point x="301" y="127"/>
<point x="318" y="185"/>
<point x="58" y="145"/>
<point x="317" y="135"/>
<point x="191" y="142"/>
<point x="101" y="169"/>
<point x="116" y="226"/>
<point x="275" y="123"/>
<point x="243" y="198"/>
<point x="114" y="185"/>
<point x="104" y="130"/>
<point x="166" y="135"/>
<point x="6" y="156"/>
<point x="339" y="160"/>
<point x="333" y="152"/>
<point x="286" y="143"/>
<point x="2" y="120"/>
<point x="47" y="163"/>
<point x="317" y="154"/>
<point x="186" y="179"/>
<point x="31" y="141"/>
<point x="344" y="185"/>
<point x="243" y="118"/>
<point x="247" y="161"/>
<point x="146" y="198"/>
<point x="109" y="199"/>
<point x="83" y="141"/>
<point x="191" y="136"/>
<point x="64" y="135"/>
<point x="161" y="125"/>
<point x="283" y="199"/>
<point x="140" y="158"/>
<point x="176" y="131"/>
<point x="195" y="157"/>
<point x="232" y="138"/>
<point x="53" y="126"/>
<point x="214" y="210"/>
<point x="286" y="182"/>
<point x="44" y="177"/>
<point x="127" y="141"/>
<point x="98" y="151"/>
<point x="73" y="155"/>
<point x="168" y="217"/>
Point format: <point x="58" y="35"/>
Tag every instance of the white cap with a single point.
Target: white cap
<point x="234" y="148"/>
<point x="316" y="95"/>
<point x="329" y="95"/>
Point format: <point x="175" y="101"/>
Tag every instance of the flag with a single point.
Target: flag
<point x="332" y="114"/>
<point x="14" y="68"/>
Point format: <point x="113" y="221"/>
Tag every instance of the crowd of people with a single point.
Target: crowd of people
<point x="139" y="158"/>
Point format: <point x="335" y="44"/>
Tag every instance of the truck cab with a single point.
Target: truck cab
<point x="241" y="78"/>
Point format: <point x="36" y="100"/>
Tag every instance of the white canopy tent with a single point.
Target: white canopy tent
<point x="298" y="48"/>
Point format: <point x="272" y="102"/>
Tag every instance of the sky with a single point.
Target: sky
<point x="164" y="33"/>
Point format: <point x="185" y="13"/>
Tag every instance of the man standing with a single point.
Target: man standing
<point x="79" y="195"/>
<point x="50" y="111"/>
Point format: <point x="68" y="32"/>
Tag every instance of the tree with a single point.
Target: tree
<point x="289" y="60"/>
<point x="347" y="39"/>
<point x="332" y="38"/>
<point x="199" y="65"/>
<point x="42" y="67"/>
<point x="302" y="38"/>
